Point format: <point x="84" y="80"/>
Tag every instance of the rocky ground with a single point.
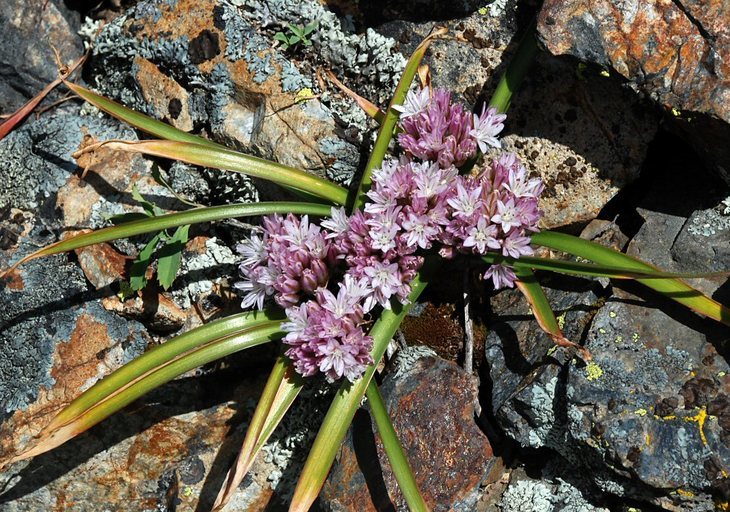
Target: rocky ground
<point x="624" y="115"/>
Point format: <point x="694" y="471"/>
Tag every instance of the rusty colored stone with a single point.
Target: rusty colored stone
<point x="90" y="352"/>
<point x="157" y="310"/>
<point x="431" y="407"/>
<point x="166" y="95"/>
<point x="102" y="264"/>
<point x="677" y="52"/>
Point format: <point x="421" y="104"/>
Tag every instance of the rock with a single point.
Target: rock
<point x="37" y="157"/>
<point x="564" y="126"/>
<point x="156" y="310"/>
<point x="26" y="58"/>
<point x="102" y="264"/>
<point x="203" y="66"/>
<point x="646" y="418"/>
<point x="549" y="493"/>
<point x="678" y="53"/>
<point x="56" y="340"/>
<point x="431" y="405"/>
<point x="516" y="345"/>
<point x="170" y="451"/>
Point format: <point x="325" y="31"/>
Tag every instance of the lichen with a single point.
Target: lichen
<point x="593" y="371"/>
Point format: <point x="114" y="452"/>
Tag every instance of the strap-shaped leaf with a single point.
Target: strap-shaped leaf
<point x="149" y="380"/>
<point x="393" y="449"/>
<point x="589" y="269"/>
<point x="675" y="289"/>
<point x="347" y="400"/>
<point x="533" y="292"/>
<point x="20" y="114"/>
<point x="367" y="106"/>
<point x="387" y="127"/>
<point x="137" y="119"/>
<point x="173" y="220"/>
<point x="279" y="393"/>
<point x="153" y="126"/>
<point x="160" y="355"/>
<point x="512" y="78"/>
<point x="227" y="159"/>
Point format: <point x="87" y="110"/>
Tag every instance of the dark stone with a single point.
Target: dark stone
<point x="430" y="403"/>
<point x="204" y="47"/>
<point x="174" y="108"/>
<point x="666" y="407"/>
<point x="27" y="62"/>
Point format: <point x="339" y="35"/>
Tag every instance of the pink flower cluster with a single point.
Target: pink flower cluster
<point x="328" y="277"/>
<point x="437" y="130"/>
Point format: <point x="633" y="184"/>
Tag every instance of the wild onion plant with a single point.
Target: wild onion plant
<point x="334" y="281"/>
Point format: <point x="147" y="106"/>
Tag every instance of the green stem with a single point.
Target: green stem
<point x="516" y="71"/>
<point x="387" y="128"/>
<point x="393" y="449"/>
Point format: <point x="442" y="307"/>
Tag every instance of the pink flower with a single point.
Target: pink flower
<point x="486" y="128"/>
<point x="439" y="133"/>
<point x="415" y="103"/>
<point x="502" y="276"/>
<point x="483" y="235"/>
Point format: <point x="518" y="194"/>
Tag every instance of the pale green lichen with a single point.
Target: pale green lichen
<point x="593" y="371"/>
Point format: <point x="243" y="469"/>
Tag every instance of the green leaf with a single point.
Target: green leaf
<point x="150" y="209"/>
<point x="294" y="40"/>
<point x="388" y="125"/>
<point x="230" y="160"/>
<point x="393" y="449"/>
<point x="170" y="256"/>
<point x="160" y="365"/>
<point x="173" y="220"/>
<point x="673" y="288"/>
<point x="126" y="217"/>
<point x="588" y="269"/>
<point x="138" y="269"/>
<point x="279" y="36"/>
<point x="310" y="27"/>
<point x="281" y="389"/>
<point x="512" y="78"/>
<point x="346" y="402"/>
<point x="543" y="313"/>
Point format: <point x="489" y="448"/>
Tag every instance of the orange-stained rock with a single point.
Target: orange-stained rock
<point x="675" y="51"/>
<point x="102" y="264"/>
<point x="431" y="405"/>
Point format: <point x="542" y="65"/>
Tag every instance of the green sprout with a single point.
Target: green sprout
<point x="296" y="35"/>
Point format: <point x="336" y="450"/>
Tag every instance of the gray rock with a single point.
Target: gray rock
<point x="37" y="156"/>
<point x="550" y="493"/>
<point x="646" y="419"/>
<point x="27" y="63"/>
<point x="204" y="66"/>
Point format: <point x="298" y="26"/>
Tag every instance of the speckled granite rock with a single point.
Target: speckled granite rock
<point x="202" y="65"/>
<point x="564" y="125"/>
<point x="430" y="402"/>
<point x="552" y="491"/>
<point x="26" y="59"/>
<point x="647" y="418"/>
<point x="678" y="53"/>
